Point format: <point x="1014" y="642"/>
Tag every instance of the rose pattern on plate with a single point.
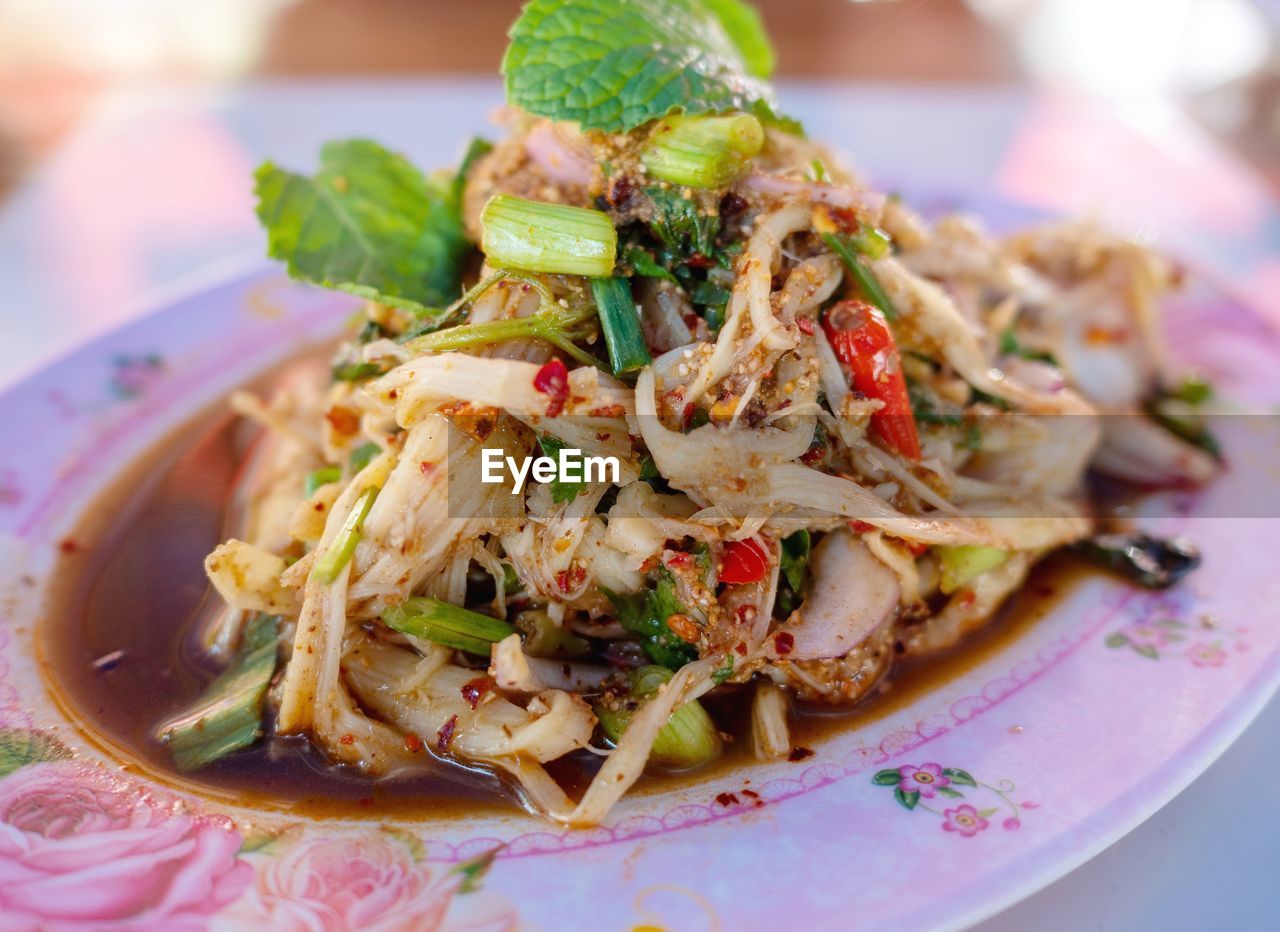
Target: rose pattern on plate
<point x="373" y="882"/>
<point x="914" y="783"/>
<point x="134" y="859"/>
<point x="1157" y="631"/>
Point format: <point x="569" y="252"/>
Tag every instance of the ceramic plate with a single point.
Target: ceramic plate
<point x="936" y="813"/>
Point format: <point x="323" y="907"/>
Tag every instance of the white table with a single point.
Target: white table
<point x="153" y="194"/>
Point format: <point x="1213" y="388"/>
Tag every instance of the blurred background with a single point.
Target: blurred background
<point x="1215" y="58"/>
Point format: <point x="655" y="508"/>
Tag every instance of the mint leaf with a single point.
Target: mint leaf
<point x="614" y="66"/>
<point x="368" y="223"/>
<point x="742" y="23"/>
<point x="646" y="613"/>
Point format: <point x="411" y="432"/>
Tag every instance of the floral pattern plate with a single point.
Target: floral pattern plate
<point x="936" y="814"/>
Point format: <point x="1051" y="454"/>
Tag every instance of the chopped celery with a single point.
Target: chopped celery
<point x="228" y="714"/>
<point x="962" y="564"/>
<point x="447" y="624"/>
<point x="543" y="237"/>
<point x="702" y="151"/>
<point x="319" y="477"/>
<point x="861" y="274"/>
<point x="621" y="325"/>
<point x="689" y="738"/>
<point x="335" y="557"/>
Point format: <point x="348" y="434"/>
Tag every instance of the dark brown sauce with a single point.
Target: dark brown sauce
<point x="135" y="583"/>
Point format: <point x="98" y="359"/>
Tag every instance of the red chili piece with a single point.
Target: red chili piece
<point x="553" y="380"/>
<point x="444" y="737"/>
<point x="864" y="344"/>
<point x="744" y="561"/>
<point x="473" y="690"/>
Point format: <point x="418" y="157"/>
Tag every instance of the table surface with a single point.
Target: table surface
<point x="152" y="196"/>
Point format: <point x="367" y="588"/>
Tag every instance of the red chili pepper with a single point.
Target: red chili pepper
<point x="553" y="380"/>
<point x="744" y="561"/>
<point x="864" y="344"/>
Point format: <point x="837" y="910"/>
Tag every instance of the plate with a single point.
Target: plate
<point x="935" y="813"/>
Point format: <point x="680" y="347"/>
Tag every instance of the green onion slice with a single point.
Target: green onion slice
<point x="447" y="624"/>
<point x="702" y="151"/>
<point x="318" y="477"/>
<point x="542" y="237"/>
<point x="339" y="551"/>
<point x="228" y="714"/>
<point x="689" y="738"/>
<point x="861" y="274"/>
<point x="621" y="325"/>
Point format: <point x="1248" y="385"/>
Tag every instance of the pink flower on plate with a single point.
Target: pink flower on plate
<point x="965" y="820"/>
<point x="1143" y="634"/>
<point x="1202" y="654"/>
<point x="924" y="779"/>
<point x="80" y="851"/>
<point x="368" y="883"/>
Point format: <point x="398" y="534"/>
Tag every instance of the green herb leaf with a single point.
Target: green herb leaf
<point x="927" y="408"/>
<point x="889" y="777"/>
<point x="368" y="223"/>
<point x="1010" y="345"/>
<point x="613" y="67"/>
<point x="646" y="614"/>
<point x="680" y="225"/>
<point x="562" y="490"/>
<point x="795" y="559"/>
<point x="644" y="265"/>
<point x="907" y="799"/>
<point x="477" y="149"/>
<point x="723" y="672"/>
